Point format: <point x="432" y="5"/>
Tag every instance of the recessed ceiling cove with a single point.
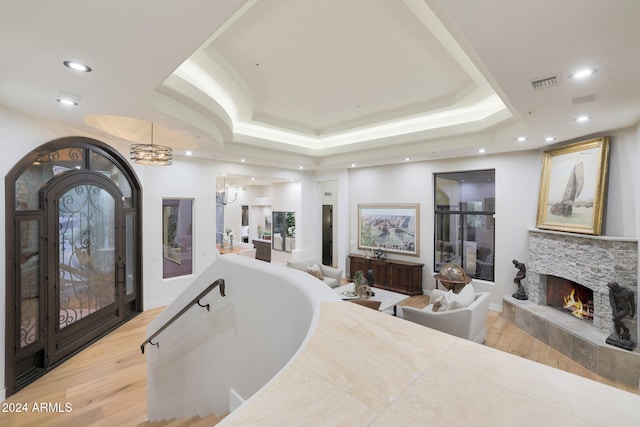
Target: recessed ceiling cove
<point x="326" y="73"/>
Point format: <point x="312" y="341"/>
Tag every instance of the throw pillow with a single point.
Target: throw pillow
<point x="442" y="303"/>
<point x="315" y="271"/>
<point x="463" y="299"/>
<point x="437" y="305"/>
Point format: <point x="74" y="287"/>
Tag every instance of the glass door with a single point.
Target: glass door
<point x="73" y="253"/>
<point x="84" y="259"/>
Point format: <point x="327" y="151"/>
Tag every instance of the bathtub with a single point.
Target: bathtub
<point x="211" y="361"/>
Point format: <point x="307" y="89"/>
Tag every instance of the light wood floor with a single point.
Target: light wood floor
<point x="106" y="383"/>
<point x="506" y="336"/>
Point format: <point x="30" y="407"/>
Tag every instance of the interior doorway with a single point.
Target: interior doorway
<point x="327" y="235"/>
<point x="73" y="253"/>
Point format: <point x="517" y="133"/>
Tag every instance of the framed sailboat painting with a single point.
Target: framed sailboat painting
<point x="573" y="187"/>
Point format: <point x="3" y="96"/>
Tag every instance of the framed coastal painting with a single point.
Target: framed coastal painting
<point x="390" y="227"/>
<point x="573" y="187"/>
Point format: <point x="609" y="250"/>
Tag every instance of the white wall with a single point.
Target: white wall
<point x="620" y="210"/>
<point x="257" y="197"/>
<point x="233" y="211"/>
<point x="222" y="348"/>
<point x="287" y="197"/>
<point x="341" y="215"/>
<point x="517" y="190"/>
<point x="19" y="134"/>
<point x="186" y="178"/>
<point x="328" y="191"/>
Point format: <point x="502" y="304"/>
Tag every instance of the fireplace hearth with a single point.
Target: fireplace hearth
<point x="591" y="262"/>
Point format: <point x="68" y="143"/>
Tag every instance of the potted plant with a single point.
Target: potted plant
<point x="360" y="286"/>
<point x="358" y="279"/>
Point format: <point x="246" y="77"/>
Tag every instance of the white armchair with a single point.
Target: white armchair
<point x="468" y="322"/>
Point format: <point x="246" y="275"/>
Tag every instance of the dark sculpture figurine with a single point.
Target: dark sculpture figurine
<point x="622" y="304"/>
<point x="379" y="254"/>
<point x="370" y="282"/>
<point x="521" y="274"/>
<point x="370" y="277"/>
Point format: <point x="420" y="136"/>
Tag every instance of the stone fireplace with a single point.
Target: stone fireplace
<point x="589" y="262"/>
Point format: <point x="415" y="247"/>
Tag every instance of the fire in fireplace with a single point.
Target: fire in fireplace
<point x="570" y="297"/>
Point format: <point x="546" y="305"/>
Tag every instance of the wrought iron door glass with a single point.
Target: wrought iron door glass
<point x="107" y="167"/>
<point x="130" y="255"/>
<point x="42" y="171"/>
<point x="29" y="276"/>
<point x="86" y="252"/>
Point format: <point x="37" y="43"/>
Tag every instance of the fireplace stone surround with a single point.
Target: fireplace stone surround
<point x="592" y="261"/>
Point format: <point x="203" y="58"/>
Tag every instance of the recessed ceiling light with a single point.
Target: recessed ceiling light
<point x="253" y="178"/>
<point x="353" y="165"/>
<point x="407" y="159"/>
<point x="521" y="138"/>
<point x="583" y="73"/>
<point x="300" y="167"/>
<point x="67" y="101"/>
<point x="582" y="119"/>
<point x="243" y="160"/>
<point x="482" y="150"/>
<point x="77" y="66"/>
<point x="189" y="153"/>
<point x="549" y="139"/>
<point x="68" y="98"/>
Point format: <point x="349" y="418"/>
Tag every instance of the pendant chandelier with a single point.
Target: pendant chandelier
<point x="151" y="154"/>
<point x="222" y="197"/>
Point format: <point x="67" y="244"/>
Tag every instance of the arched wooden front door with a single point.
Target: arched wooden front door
<point x="72" y="221"/>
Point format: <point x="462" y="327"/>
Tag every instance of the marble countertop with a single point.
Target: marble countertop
<point x="365" y="368"/>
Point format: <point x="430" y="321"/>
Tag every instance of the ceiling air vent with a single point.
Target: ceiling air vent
<point x="583" y="99"/>
<point x="545" y="83"/>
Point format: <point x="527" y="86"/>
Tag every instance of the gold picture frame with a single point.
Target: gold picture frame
<point x="573" y="187"/>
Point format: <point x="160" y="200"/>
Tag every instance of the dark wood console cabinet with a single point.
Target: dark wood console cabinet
<point x="263" y="249"/>
<point x="397" y="276"/>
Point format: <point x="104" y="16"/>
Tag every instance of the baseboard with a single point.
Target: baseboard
<point x="235" y="400"/>
<point x="157" y="304"/>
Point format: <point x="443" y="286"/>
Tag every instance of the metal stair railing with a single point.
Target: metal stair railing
<point x="218" y="283"/>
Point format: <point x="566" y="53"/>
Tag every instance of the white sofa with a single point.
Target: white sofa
<point x="468" y="322"/>
<point x="331" y="276"/>
<point x="250" y="253"/>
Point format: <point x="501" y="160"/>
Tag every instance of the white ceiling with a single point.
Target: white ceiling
<point x="325" y="83"/>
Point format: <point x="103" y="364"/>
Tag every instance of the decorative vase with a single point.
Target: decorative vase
<point x="364" y="291"/>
